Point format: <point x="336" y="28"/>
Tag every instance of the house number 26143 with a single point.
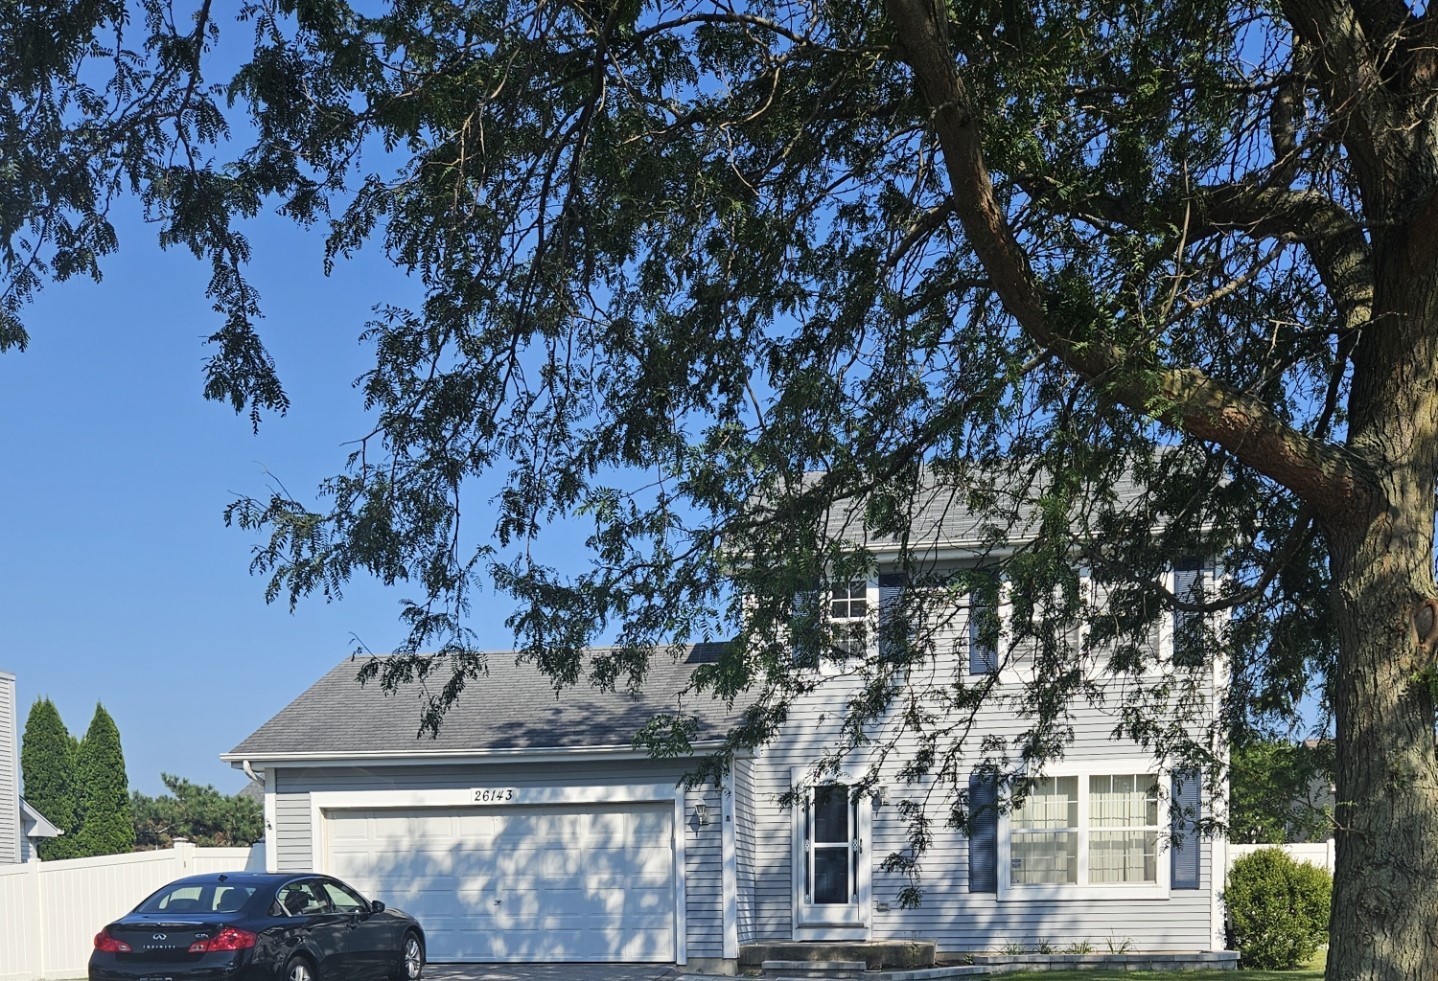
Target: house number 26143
<point x="493" y="795"/>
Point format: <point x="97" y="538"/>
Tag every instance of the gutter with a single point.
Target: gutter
<point x="546" y="754"/>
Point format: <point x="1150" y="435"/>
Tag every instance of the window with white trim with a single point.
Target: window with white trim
<point x="1085" y="832"/>
<point x="985" y="626"/>
<point x="848" y="616"/>
<point x="1044" y="838"/>
<point x="1123" y="828"/>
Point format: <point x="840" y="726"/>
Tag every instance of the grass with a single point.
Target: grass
<point x="1312" y="971"/>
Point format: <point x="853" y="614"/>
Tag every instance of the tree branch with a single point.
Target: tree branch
<point x="1322" y="474"/>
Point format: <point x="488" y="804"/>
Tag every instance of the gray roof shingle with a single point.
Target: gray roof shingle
<point x="512" y="708"/>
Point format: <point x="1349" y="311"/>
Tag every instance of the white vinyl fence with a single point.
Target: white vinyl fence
<point x="1318" y="853"/>
<point x="51" y="911"/>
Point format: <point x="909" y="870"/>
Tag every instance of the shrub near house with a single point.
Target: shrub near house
<point x="1278" y="908"/>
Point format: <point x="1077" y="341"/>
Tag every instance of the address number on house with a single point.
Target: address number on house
<point x="494" y="795"/>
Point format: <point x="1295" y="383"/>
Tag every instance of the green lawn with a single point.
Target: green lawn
<point x="1313" y="971"/>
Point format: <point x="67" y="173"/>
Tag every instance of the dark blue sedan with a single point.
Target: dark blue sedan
<point x="241" y="926"/>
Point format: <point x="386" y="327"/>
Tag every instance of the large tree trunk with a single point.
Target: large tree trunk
<point x="1385" y="897"/>
<point x="1385" y="900"/>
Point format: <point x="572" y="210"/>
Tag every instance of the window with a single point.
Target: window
<point x="343" y="900"/>
<point x="1123" y="828"/>
<point x="299" y="899"/>
<point x="1085" y="833"/>
<point x="180" y="899"/>
<point x="984" y="625"/>
<point x="830" y="848"/>
<point x="1045" y="834"/>
<point x="848" y="613"/>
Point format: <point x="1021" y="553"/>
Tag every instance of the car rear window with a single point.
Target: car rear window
<point x="208" y="897"/>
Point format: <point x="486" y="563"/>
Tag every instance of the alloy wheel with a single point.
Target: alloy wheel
<point x="413" y="958"/>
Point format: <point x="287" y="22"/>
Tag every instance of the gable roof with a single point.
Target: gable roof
<point x="944" y="510"/>
<point x="36" y="824"/>
<point x="513" y="710"/>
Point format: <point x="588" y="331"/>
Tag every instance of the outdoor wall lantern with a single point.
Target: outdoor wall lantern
<point x="701" y="811"/>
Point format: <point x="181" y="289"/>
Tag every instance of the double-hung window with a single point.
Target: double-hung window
<point x="1086" y="833"/>
<point x="848" y="617"/>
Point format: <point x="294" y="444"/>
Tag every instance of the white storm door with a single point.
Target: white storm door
<point x="831" y="865"/>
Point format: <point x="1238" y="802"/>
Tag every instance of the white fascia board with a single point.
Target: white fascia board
<point x="538" y="755"/>
<point x="41" y="827"/>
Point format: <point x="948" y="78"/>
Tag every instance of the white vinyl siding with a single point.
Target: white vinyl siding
<point x="704" y="872"/>
<point x="10" y="843"/>
<point x="745" y="815"/>
<point x="949" y="914"/>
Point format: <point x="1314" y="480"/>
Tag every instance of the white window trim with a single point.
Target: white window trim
<point x="832" y="666"/>
<point x="1159" y="890"/>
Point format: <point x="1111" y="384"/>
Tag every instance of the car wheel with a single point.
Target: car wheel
<point x="299" y="969"/>
<point x="411" y="958"/>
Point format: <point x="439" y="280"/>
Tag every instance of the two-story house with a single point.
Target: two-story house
<point x="532" y="829"/>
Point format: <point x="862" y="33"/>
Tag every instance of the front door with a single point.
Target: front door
<point x="831" y="865"/>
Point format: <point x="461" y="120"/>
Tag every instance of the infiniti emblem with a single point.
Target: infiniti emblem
<point x="158" y="936"/>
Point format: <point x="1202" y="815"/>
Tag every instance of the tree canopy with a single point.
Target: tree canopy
<point x="199" y="814"/>
<point x="102" y="806"/>
<point x="705" y="276"/>
<point x="1281" y="792"/>
<point x="47" y="764"/>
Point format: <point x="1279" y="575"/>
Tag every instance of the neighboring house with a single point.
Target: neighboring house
<point x="531" y="829"/>
<point x="20" y="824"/>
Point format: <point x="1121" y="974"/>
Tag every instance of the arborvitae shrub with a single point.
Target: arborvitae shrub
<point x="1278" y="909"/>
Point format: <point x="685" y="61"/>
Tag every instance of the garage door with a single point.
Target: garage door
<point x="575" y="883"/>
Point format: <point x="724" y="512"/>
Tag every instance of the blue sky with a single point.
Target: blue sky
<point x="119" y="583"/>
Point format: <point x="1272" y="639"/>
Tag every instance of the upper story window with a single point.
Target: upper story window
<point x="985" y="625"/>
<point x="848" y="616"/>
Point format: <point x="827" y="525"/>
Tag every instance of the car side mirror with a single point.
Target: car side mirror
<point x="376" y="907"/>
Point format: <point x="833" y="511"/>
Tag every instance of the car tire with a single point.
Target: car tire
<point x="299" y="968"/>
<point x="411" y="958"/>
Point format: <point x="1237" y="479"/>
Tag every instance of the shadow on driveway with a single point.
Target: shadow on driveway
<point x="551" y="972"/>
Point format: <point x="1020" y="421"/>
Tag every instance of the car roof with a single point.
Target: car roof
<point x="248" y="878"/>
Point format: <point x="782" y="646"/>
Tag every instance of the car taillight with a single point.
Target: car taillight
<point x="107" y="943"/>
<point x="230" y="938"/>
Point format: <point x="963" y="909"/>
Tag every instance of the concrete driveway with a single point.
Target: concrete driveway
<point x="552" y="972"/>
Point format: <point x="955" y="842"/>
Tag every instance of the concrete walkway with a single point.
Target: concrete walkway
<point x="552" y="972"/>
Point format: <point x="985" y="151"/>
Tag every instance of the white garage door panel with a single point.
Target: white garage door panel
<point x="579" y="883"/>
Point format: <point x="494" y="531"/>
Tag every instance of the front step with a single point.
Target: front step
<point x="814" y="969"/>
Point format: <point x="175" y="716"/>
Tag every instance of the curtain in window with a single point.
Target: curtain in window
<point x="1123" y="828"/>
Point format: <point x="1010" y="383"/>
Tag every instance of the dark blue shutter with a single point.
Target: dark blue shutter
<point x="983" y="834"/>
<point x="893" y="627"/>
<point x="805" y="627"/>
<point x="1189" y="587"/>
<point x="1186" y="842"/>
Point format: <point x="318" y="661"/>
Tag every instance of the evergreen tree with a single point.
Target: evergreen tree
<point x="106" y="825"/>
<point x="200" y="814"/>
<point x="47" y="765"/>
